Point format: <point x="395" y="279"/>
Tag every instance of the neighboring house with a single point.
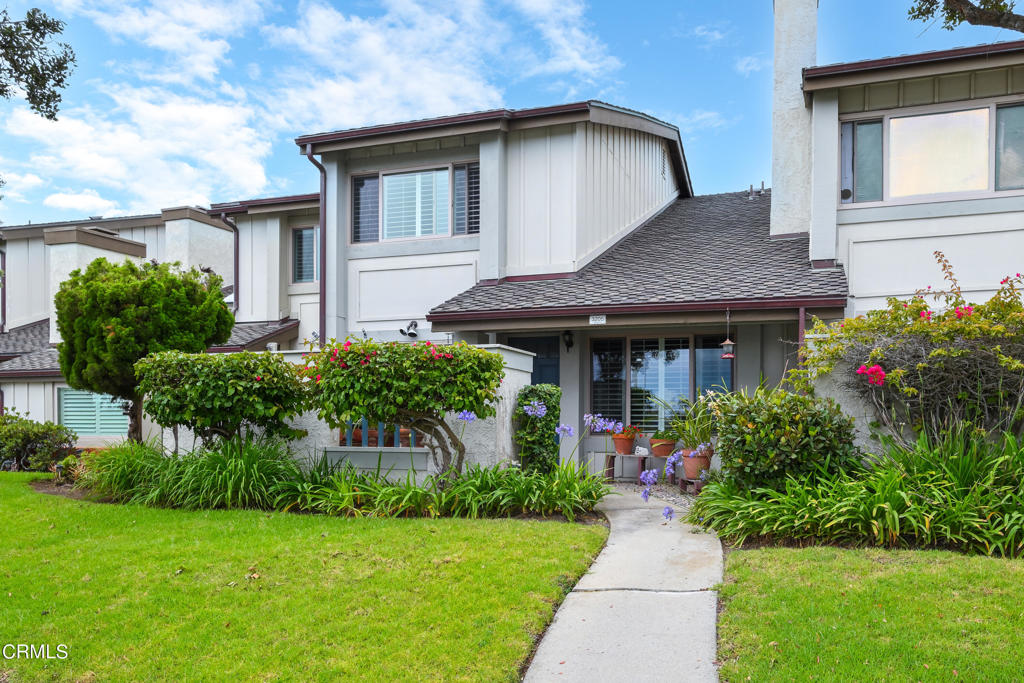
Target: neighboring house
<point x="572" y="233"/>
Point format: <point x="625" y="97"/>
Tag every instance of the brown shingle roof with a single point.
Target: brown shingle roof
<point x="700" y="251"/>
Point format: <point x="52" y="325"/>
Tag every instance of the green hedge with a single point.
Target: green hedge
<point x="535" y="434"/>
<point x="770" y="434"/>
<point x="33" y="445"/>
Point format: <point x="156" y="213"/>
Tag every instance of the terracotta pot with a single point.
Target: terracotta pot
<point x="623" y="444"/>
<point x="357" y="437"/>
<point x="693" y="465"/>
<point x="662" y="448"/>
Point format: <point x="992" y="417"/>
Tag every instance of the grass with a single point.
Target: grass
<point x="826" y="613"/>
<point x="139" y="593"/>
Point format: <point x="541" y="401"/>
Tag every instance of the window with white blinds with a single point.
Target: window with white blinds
<point x="466" y="199"/>
<point x="90" y="414"/>
<point x="305" y="265"/>
<point x="659" y="368"/>
<point x="415" y="204"/>
<point x="365" y="208"/>
<point x="608" y="378"/>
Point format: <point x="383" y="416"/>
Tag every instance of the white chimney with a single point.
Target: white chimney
<point x="796" y="37"/>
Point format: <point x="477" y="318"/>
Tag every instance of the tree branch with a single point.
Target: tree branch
<point x="974" y="14"/>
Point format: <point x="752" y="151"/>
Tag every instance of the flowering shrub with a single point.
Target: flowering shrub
<point x="222" y="394"/>
<point x="537" y="428"/>
<point x="931" y="368"/>
<point x="767" y="435"/>
<point x="415" y="385"/>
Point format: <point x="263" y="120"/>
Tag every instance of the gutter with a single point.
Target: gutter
<point x="230" y="222"/>
<point x="735" y="304"/>
<point x="323" y="242"/>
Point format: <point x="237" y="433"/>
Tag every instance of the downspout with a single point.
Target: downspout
<point x="3" y="297"/>
<point x="235" y="288"/>
<point x="802" y="325"/>
<point x="323" y="242"/>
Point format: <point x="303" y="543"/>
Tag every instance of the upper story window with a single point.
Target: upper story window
<point x="898" y="156"/>
<point x="434" y="202"/>
<point x="305" y="264"/>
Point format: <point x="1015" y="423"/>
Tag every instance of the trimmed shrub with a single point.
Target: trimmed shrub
<point x="414" y="385"/>
<point x="538" y="407"/>
<point x="770" y="434"/>
<point x="930" y="366"/>
<point x="223" y="394"/>
<point x="961" y="491"/>
<point x="34" y="445"/>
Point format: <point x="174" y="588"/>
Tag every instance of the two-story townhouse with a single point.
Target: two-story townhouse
<point x="36" y="258"/>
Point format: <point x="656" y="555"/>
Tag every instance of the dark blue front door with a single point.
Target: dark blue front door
<point x="545" y="364"/>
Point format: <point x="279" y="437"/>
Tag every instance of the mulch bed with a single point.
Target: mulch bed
<point x="50" y="487"/>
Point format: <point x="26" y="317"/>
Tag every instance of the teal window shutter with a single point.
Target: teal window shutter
<point x="90" y="414"/>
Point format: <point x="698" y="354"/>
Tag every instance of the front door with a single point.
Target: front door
<point x="545" y="364"/>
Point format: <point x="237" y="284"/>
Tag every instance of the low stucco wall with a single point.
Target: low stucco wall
<point x="863" y="414"/>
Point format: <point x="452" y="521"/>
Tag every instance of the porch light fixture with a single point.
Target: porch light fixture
<point x="568" y="339"/>
<point x="728" y="346"/>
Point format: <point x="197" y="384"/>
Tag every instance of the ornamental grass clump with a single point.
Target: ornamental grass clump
<point x="930" y="362"/>
<point x="416" y="385"/>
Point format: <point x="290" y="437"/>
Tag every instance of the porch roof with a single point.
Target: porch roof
<point x="709" y="252"/>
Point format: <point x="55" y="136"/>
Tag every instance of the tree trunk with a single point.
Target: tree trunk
<point x="135" y="420"/>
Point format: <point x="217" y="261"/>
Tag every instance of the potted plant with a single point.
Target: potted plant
<point x="663" y="442"/>
<point x="697" y="460"/>
<point x="625" y="439"/>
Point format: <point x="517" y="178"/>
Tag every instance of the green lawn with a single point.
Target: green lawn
<point x="834" y="614"/>
<point x="146" y="594"/>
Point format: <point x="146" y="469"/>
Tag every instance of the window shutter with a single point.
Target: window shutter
<point x="91" y="414"/>
<point x="466" y="198"/>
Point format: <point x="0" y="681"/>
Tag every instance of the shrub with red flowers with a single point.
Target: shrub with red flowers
<point x="928" y="367"/>
<point x="414" y="385"/>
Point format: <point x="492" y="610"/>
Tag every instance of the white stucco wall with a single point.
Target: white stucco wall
<point x="197" y="244"/>
<point x="27" y="285"/>
<point x="153" y="236"/>
<point x="796" y="23"/>
<point x="62" y="260"/>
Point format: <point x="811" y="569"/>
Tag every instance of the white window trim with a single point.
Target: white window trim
<point x="398" y="170"/>
<point x="291" y="254"/>
<point x="886" y="115"/>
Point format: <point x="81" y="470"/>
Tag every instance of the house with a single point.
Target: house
<point x="572" y="232"/>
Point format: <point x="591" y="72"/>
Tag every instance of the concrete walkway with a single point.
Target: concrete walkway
<point x="644" y="611"/>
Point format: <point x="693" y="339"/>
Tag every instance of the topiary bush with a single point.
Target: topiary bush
<point x="931" y="366"/>
<point x="538" y="407"/>
<point x="415" y="385"/>
<point x="223" y="394"/>
<point x="770" y="434"/>
<point x="34" y="445"/>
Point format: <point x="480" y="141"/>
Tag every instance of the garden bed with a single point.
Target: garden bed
<point x="868" y="614"/>
<point x="140" y="593"/>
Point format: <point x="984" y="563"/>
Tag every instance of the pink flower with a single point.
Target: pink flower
<point x="346" y="345"/>
<point x="258" y="378"/>
<point x="927" y="315"/>
<point x="318" y="378"/>
<point x="876" y="375"/>
<point x="862" y="370"/>
<point x="1004" y="280"/>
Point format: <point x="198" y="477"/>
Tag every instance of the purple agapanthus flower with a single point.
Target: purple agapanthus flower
<point x="535" y="409"/>
<point x="564" y="430"/>
<point x="667" y="513"/>
<point x="671" y="462"/>
<point x="467" y="416"/>
<point x="645" y="494"/>
<point x="649" y="477"/>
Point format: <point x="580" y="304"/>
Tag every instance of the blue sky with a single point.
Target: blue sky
<point x="198" y="101"/>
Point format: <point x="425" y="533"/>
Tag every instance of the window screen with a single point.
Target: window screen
<point x="304" y="262"/>
<point x="1010" y="148"/>
<point x="608" y="378"/>
<point x="466" y="199"/>
<point x="658" y="368"/>
<point x="365" y="208"/>
<point x="416" y="204"/>
<point x="862" y="161"/>
<point x="90" y="414"/>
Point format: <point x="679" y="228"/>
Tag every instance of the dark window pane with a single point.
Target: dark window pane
<point x="466" y="199"/>
<point x="303" y="255"/>
<point x="608" y="378"/>
<point x="846" y="163"/>
<point x="713" y="373"/>
<point x="867" y="162"/>
<point x="546" y="360"/>
<point x="658" y="368"/>
<point x="365" y="209"/>
<point x="1010" y="148"/>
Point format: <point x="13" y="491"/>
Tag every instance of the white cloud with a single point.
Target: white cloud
<point x="191" y="32"/>
<point x="86" y="201"/>
<point x="751" y="63"/>
<point x="709" y="35"/>
<point x="699" y="120"/>
<point x="17" y="184"/>
<point x="572" y="47"/>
